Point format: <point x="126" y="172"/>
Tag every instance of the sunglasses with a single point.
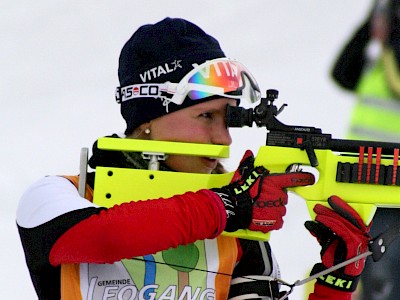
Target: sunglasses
<point x="222" y="76"/>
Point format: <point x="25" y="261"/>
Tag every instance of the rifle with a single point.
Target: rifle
<point x="364" y="173"/>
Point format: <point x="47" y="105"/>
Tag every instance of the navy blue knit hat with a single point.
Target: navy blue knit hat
<point x="159" y="53"/>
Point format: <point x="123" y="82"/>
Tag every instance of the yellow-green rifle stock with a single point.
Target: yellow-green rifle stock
<point x="119" y="185"/>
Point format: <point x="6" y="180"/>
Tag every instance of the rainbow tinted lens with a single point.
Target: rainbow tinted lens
<point x="228" y="76"/>
<point x="222" y="74"/>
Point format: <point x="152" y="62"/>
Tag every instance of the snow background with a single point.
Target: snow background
<point x="58" y="62"/>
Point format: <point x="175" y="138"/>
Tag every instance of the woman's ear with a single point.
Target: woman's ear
<point x="141" y="132"/>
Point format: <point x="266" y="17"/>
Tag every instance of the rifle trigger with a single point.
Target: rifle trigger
<point x="378" y="246"/>
<point x="312" y="157"/>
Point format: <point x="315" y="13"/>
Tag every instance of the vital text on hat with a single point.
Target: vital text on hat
<point x="160" y="70"/>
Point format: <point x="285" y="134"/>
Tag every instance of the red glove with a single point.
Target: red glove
<point x="256" y="199"/>
<point x="342" y="234"/>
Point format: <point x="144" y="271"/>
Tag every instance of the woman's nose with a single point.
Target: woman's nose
<point x="221" y="135"/>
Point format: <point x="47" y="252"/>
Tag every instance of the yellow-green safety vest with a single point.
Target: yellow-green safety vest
<point x="376" y="115"/>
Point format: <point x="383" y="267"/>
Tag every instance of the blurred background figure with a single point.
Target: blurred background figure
<point x="368" y="66"/>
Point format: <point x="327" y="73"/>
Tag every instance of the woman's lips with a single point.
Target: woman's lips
<point x="210" y="162"/>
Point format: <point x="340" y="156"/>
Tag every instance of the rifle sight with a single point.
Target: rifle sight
<point x="262" y="115"/>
